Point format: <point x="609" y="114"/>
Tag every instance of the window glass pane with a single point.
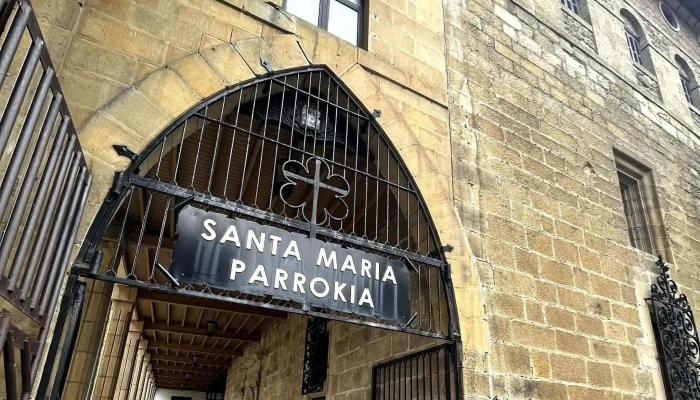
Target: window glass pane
<point x="304" y="9"/>
<point x="343" y="22"/>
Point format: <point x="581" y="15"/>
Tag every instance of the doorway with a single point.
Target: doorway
<point x="296" y="159"/>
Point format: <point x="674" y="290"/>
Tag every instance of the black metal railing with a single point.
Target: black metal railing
<point x="428" y="374"/>
<point x="676" y="336"/>
<point x="45" y="182"/>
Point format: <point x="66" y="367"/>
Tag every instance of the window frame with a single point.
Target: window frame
<point x="631" y="171"/>
<point x="572" y="5"/>
<point x="634" y="45"/>
<point x="665" y="8"/>
<point x="687" y="89"/>
<point x="324" y="16"/>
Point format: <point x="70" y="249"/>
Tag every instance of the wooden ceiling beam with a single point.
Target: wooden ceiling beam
<point x="183" y="378"/>
<point x="188" y="360"/>
<point x="193" y="349"/>
<point x="193" y="371"/>
<point x="190" y="330"/>
<point x="209" y="304"/>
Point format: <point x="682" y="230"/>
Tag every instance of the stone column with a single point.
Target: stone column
<point x="146" y="370"/>
<point x="113" y="342"/>
<point x="129" y="360"/>
<point x="138" y="370"/>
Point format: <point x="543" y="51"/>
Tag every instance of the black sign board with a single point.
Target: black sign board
<point x="244" y="256"/>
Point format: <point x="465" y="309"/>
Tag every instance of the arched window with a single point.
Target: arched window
<point x="688" y="82"/>
<point x="343" y="18"/>
<point x="578" y="7"/>
<point x="636" y="41"/>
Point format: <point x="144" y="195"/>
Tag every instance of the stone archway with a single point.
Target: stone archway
<point x="140" y="113"/>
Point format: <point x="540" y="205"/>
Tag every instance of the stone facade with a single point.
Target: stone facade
<point x="506" y="112"/>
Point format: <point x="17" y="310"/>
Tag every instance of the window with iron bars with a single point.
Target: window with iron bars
<point x="635" y="213"/>
<point x="633" y="44"/>
<point x="572" y="5"/>
<point x="687" y="90"/>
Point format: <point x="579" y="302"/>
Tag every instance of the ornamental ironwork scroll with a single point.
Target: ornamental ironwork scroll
<point x="676" y="337"/>
<point x="315" y="356"/>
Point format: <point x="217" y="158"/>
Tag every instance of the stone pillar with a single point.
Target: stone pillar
<point x="129" y="360"/>
<point x="138" y="370"/>
<point x="146" y="371"/>
<point x="113" y="342"/>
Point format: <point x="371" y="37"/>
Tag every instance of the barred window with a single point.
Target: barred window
<point x="688" y="82"/>
<point x="641" y="206"/>
<point x="633" y="44"/>
<point x="572" y="5"/>
<point x="342" y="18"/>
<point x="635" y="212"/>
<point x="637" y="42"/>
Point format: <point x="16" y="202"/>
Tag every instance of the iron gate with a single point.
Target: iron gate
<point x="247" y="153"/>
<point x="429" y="374"/>
<point x="42" y="195"/>
<point x="676" y="336"/>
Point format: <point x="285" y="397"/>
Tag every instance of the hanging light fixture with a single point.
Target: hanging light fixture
<point x="195" y="359"/>
<point x="187" y="376"/>
<point x="211" y="327"/>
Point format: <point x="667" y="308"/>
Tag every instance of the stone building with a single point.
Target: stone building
<point x="420" y="199"/>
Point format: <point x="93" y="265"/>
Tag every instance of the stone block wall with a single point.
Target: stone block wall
<point x="535" y="117"/>
<point x="272" y="369"/>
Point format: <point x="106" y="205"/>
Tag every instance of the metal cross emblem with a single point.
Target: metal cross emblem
<point x="319" y="180"/>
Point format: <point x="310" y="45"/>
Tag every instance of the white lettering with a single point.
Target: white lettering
<point x="376" y="271"/>
<point x="352" y="294"/>
<point x="338" y="292"/>
<point x="208" y="225"/>
<point x="312" y="287"/>
<point x="280" y="278"/>
<point x="389" y="275"/>
<point x="366" y="268"/>
<point x="258" y="242"/>
<point x="292" y="250"/>
<point x="366" y="298"/>
<point x="327" y="260"/>
<point x="259" y="275"/>
<point x="349" y="264"/>
<point x="299" y="281"/>
<point x="275" y="241"/>
<point x="231" y="235"/>
<point x="236" y="267"/>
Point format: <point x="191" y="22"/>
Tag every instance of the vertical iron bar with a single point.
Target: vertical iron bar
<point x="216" y="145"/>
<point x="374" y="384"/>
<point x="9" y="48"/>
<point x="73" y="297"/>
<point x="48" y="213"/>
<point x="5" y="320"/>
<point x="6" y="7"/>
<point x="18" y="92"/>
<point x="25" y="137"/>
<point x="9" y="364"/>
<point x="26" y="360"/>
<point x="53" y="235"/>
<point x="53" y="286"/>
<point x="25" y="191"/>
<point x="247" y="146"/>
<point x="233" y="141"/>
<point x="199" y="147"/>
<point x="37" y="204"/>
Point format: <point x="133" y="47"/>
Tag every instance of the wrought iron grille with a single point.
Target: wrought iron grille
<point x="315" y="356"/>
<point x="429" y="374"/>
<point x="687" y="90"/>
<point x="45" y="182"/>
<point x="676" y="337"/>
<point x="634" y="45"/>
<point x="572" y="5"/>
<point x="294" y="150"/>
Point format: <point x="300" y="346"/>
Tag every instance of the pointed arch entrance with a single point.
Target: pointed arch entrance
<point x="293" y="155"/>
